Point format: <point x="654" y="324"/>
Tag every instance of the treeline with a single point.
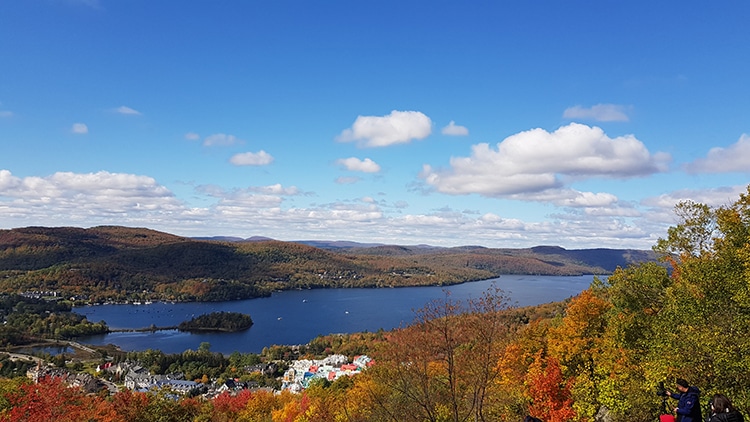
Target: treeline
<point x="217" y="321"/>
<point x="22" y="304"/>
<point x="194" y="364"/>
<point x="10" y="368"/>
<point x="25" y="318"/>
<point x="203" y="365"/>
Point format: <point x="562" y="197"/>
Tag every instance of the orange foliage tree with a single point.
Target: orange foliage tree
<point x="444" y="366"/>
<point x="52" y="400"/>
<point x="513" y="366"/>
<point x="578" y="343"/>
<point x="550" y="394"/>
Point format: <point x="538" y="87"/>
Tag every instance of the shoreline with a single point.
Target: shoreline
<point x="174" y="302"/>
<point x="142" y="330"/>
<point x="174" y="327"/>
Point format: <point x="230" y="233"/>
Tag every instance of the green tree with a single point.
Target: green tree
<point x="695" y="322"/>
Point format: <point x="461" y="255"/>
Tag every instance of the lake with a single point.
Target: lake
<point x="52" y="350"/>
<point x="298" y="316"/>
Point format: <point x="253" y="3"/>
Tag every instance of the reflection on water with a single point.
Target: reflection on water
<point x="52" y="350"/>
<point x="297" y="316"/>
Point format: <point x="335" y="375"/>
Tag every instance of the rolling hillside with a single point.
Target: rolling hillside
<point x="121" y="263"/>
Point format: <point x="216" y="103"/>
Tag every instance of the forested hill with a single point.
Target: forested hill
<point x="118" y="263"/>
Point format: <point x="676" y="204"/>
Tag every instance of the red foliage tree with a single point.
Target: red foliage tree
<point x="130" y="405"/>
<point x="230" y="405"/>
<point x="550" y="394"/>
<point x="52" y="400"/>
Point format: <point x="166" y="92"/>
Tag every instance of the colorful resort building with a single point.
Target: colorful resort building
<point x="302" y="372"/>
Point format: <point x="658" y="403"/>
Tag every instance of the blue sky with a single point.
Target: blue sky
<point x="503" y="124"/>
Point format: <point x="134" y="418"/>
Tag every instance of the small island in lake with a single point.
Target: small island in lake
<point x="217" y="321"/>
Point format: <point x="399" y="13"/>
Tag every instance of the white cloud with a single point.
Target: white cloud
<point x="246" y="205"/>
<point x="83" y="197"/>
<point x="395" y="128"/>
<point x="260" y="158"/>
<point x="127" y="111"/>
<point x="661" y="208"/>
<point x="599" y="113"/>
<point x="714" y="197"/>
<point x="8" y="182"/>
<point x="355" y="164"/>
<point x="79" y="129"/>
<point x="277" y="189"/>
<point x="455" y="130"/>
<point x="220" y="139"/>
<point x="569" y="198"/>
<point x="735" y="158"/>
<point x="537" y="160"/>
<point x="4" y="114"/>
<point x="192" y="136"/>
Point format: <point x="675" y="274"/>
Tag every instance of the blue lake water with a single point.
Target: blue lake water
<point x="298" y="316"/>
<point x="52" y="350"/>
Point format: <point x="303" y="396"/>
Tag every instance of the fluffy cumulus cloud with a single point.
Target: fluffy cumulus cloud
<point x="381" y="131"/>
<point x="8" y="182"/>
<point x="355" y="164"/>
<point x="246" y="206"/>
<point x="536" y="160"/>
<point x="260" y="158"/>
<point x="570" y="198"/>
<point x="220" y="139"/>
<point x="249" y="201"/>
<point x="79" y="129"/>
<point x="599" y="113"/>
<point x="127" y="111"/>
<point x="83" y="197"/>
<point x="735" y="158"/>
<point x="455" y="130"/>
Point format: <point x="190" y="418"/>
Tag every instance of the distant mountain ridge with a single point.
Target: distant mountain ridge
<point x="322" y="244"/>
<point x="120" y="263"/>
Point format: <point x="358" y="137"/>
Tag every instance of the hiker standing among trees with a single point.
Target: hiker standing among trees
<point x="723" y="411"/>
<point x="688" y="406"/>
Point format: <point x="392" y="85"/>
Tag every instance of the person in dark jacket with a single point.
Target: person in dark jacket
<point x="723" y="411"/>
<point x="688" y="406"/>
